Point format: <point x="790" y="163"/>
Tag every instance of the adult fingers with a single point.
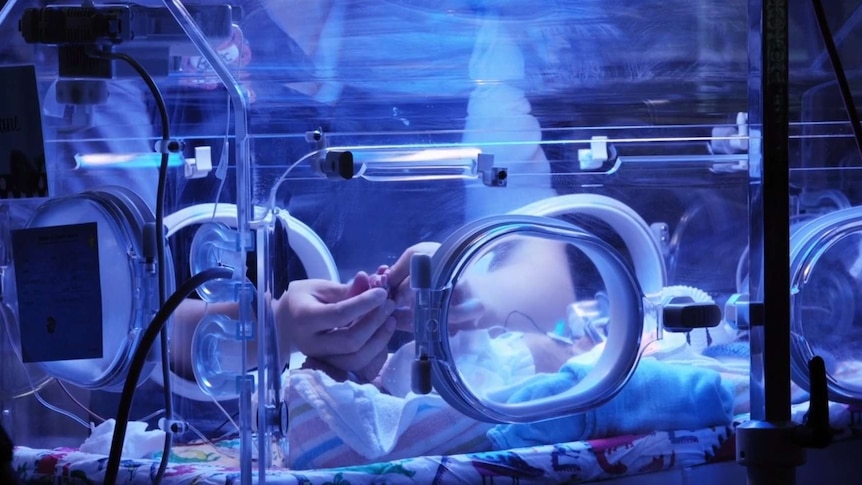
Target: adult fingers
<point x="372" y="349"/>
<point x="327" y="291"/>
<point x="360" y="283"/>
<point x="353" y="338"/>
<point x="321" y="316"/>
<point x="332" y="371"/>
<point x="403" y="295"/>
<point x="367" y="373"/>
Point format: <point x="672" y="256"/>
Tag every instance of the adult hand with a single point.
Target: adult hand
<point x="340" y="328"/>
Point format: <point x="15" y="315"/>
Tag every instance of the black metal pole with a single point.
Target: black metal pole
<point x="775" y="197"/>
<point x="767" y="445"/>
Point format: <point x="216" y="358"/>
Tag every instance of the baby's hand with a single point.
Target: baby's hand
<point x="363" y="281"/>
<point x="380" y="279"/>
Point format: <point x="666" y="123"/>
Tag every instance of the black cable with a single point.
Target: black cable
<point x="140" y="357"/>
<point x="524" y="315"/>
<point x="160" y="246"/>
<point x="838" y="70"/>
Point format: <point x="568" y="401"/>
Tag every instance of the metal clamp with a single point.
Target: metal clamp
<point x="168" y="146"/>
<point x="492" y="176"/>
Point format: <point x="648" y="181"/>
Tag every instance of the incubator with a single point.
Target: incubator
<point x="550" y="205"/>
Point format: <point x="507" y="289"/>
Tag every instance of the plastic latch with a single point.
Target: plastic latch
<point x="150" y="246"/>
<point x="594" y="157"/>
<point x="683" y="314"/>
<point x="731" y="139"/>
<point x="420" y="272"/>
<point x="425" y="322"/>
<point x="199" y="166"/>
<point x="740" y="142"/>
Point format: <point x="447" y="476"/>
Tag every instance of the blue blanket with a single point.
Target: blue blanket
<point x="657" y="397"/>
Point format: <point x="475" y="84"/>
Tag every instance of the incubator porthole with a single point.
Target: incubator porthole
<point x="216" y="245"/>
<point x="114" y="295"/>
<point x="826" y="275"/>
<point x="489" y="344"/>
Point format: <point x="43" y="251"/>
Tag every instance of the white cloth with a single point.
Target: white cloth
<point x="371" y="422"/>
<point x="367" y="420"/>
<point x="139" y="442"/>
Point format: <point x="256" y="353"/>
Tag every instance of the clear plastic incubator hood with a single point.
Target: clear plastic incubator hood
<point x="283" y="242"/>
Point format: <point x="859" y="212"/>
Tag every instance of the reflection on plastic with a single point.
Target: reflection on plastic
<point x="124" y="160"/>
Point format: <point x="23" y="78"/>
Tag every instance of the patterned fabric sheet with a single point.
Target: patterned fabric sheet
<point x="576" y="462"/>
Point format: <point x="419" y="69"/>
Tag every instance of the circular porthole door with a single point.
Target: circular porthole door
<point x="85" y="293"/>
<point x="215" y="348"/>
<point x="506" y="303"/>
<point x="826" y="301"/>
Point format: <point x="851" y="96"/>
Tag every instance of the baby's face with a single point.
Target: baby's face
<point x="520" y="283"/>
